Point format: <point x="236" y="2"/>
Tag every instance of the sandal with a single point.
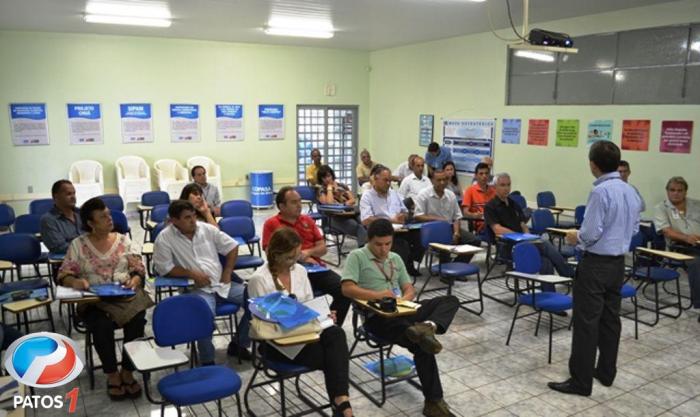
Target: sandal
<point x="116" y="397"/>
<point x="338" y="409"/>
<point x="130" y="385"/>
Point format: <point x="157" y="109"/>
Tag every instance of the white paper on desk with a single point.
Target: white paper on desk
<point x="322" y="305"/>
<point x="466" y="249"/>
<point x="67" y="293"/>
<point x="397" y="226"/>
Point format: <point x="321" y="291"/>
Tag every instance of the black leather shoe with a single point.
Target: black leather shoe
<point x="567" y="387"/>
<point x="235" y="350"/>
<point x="604" y="383"/>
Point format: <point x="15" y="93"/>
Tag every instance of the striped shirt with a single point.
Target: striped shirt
<point x="612" y="217"/>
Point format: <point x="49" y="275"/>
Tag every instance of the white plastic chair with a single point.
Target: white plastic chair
<point x="133" y="178"/>
<point x="172" y="177"/>
<point x="88" y="179"/>
<point x="213" y="170"/>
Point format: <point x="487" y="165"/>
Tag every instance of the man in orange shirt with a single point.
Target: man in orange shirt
<point x="477" y="195"/>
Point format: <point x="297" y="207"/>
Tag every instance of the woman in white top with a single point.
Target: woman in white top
<point x="282" y="273"/>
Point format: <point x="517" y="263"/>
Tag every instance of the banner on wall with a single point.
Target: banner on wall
<point x="676" y="136"/>
<point x="469" y="141"/>
<point x="538" y="132"/>
<point x="635" y="135"/>
<point x="599" y="130"/>
<point x="184" y="123"/>
<point x="271" y="121"/>
<point x="85" y="124"/>
<point x="229" y="122"/>
<point x="425" y="126"/>
<point x="510" y="131"/>
<point x="137" y="122"/>
<point x="567" y="133"/>
<point x="28" y="124"/>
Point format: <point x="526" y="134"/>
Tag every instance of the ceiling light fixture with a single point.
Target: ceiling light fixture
<point x="133" y="13"/>
<point x="299" y="27"/>
<point x="539" y="56"/>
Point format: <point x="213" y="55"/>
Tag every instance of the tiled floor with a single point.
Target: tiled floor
<point x="658" y="375"/>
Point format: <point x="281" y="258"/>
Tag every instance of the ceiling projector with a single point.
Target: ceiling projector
<point x="547" y="38"/>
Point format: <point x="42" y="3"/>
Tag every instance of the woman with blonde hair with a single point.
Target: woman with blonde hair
<point x="282" y="273"/>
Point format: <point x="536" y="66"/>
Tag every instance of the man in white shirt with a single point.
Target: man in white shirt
<point x="404" y="169"/>
<point x="437" y="203"/>
<point x="416" y="182"/>
<point x="190" y="249"/>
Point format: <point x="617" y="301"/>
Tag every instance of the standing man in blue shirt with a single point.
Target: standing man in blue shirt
<point x="436" y="157"/>
<point x="612" y="218"/>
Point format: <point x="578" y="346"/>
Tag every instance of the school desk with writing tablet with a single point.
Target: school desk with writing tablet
<point x="674" y="256"/>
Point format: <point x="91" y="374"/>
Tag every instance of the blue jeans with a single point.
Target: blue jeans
<point x="235" y="295"/>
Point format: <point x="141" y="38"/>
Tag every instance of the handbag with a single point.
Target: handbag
<point x="267" y="330"/>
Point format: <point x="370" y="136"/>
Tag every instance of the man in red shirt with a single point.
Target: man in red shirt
<point x="477" y="195"/>
<point x="313" y="246"/>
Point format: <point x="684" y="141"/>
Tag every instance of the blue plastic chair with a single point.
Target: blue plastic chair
<point x="546" y="199"/>
<point x="526" y="259"/>
<point x="121" y="224"/>
<point x="29" y="224"/>
<point x="186" y="319"/>
<point x="40" y="206"/>
<point x="649" y="270"/>
<point x="113" y="201"/>
<point x="159" y="213"/>
<point x="519" y="200"/>
<point x="541" y="220"/>
<point x="237" y="208"/>
<point x="243" y="228"/>
<point x="441" y="232"/>
<point x="7" y="215"/>
<point x="308" y="195"/>
<point x="154" y="198"/>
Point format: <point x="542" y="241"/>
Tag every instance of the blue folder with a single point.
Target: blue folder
<point x="282" y="309"/>
<point x="335" y="207"/>
<point x="111" y="290"/>
<point x="520" y="237"/>
<point x="413" y="226"/>
<point x="313" y="268"/>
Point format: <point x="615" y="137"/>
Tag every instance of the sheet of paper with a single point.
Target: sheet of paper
<point x="322" y="305"/>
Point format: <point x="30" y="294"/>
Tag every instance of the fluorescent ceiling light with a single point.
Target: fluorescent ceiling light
<point x="135" y="12"/>
<point x="125" y="20"/>
<point x="300" y="27"/>
<point x="539" y="56"/>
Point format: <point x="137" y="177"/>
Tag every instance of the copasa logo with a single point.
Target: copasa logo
<point x="43" y="360"/>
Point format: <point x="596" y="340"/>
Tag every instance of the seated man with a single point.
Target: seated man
<point x="374" y="272"/>
<point x="414" y="183"/>
<point x="313" y="246"/>
<point x="190" y="249"/>
<point x="476" y="197"/>
<point x="364" y="167"/>
<point x="436" y="157"/>
<point x="209" y="191"/>
<point x="312" y="169"/>
<point x="404" y="169"/>
<point x="439" y="203"/>
<point x="503" y="215"/>
<point x="381" y="202"/>
<point x="62" y="223"/>
<point x="624" y="170"/>
<point x="678" y="218"/>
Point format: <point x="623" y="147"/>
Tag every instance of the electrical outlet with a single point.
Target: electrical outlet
<point x="30" y="189"/>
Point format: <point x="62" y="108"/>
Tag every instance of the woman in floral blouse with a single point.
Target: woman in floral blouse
<point x="101" y="256"/>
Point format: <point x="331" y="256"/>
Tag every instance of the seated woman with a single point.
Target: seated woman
<point x="194" y="194"/>
<point x="453" y="181"/>
<point x="282" y="273"/>
<point x="332" y="192"/>
<point x="101" y="256"/>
